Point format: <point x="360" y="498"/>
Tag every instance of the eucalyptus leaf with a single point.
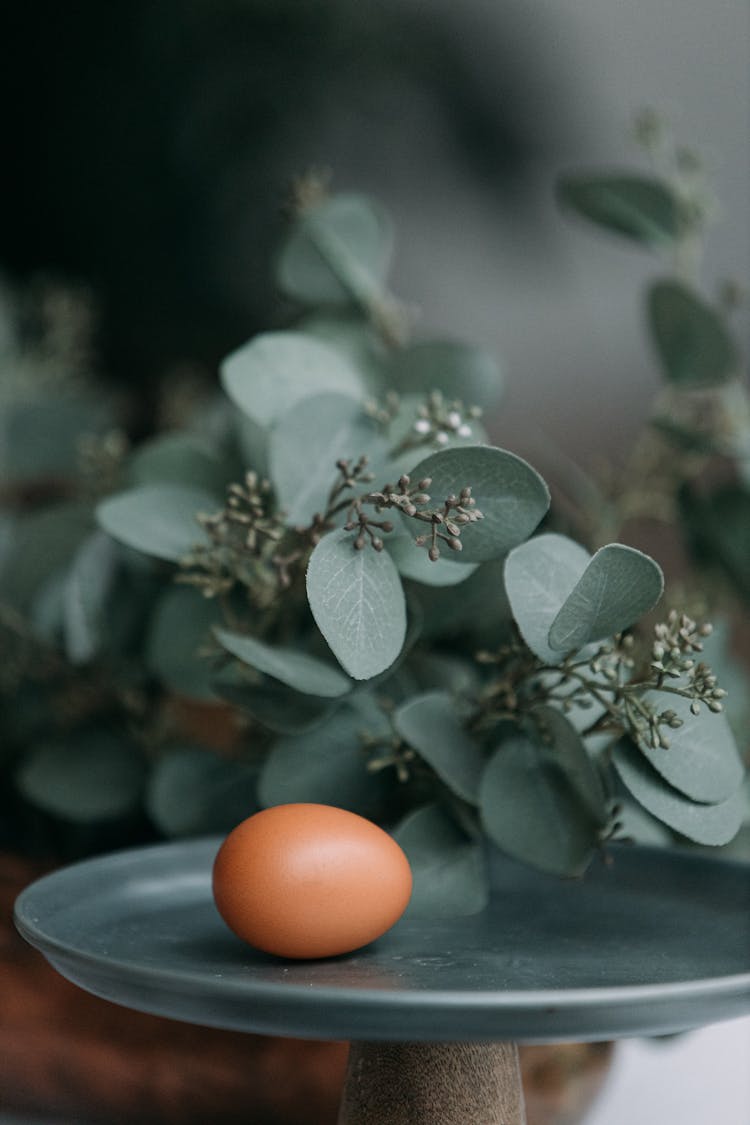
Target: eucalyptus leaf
<point x="413" y="562"/>
<point x="539" y="577"/>
<point x="160" y="520"/>
<point x="569" y="751"/>
<point x="290" y="666"/>
<point x="179" y="458"/>
<point x="433" y="726"/>
<point x="352" y="334"/>
<point x="479" y="610"/>
<point x="327" y="765"/>
<point x="718" y="529"/>
<point x="617" y="587"/>
<point x="178" y="640"/>
<point x="88" y="584"/>
<point x="460" y="371"/>
<point x="702" y="761"/>
<point x="271" y="703"/>
<point x="191" y="791"/>
<point x="449" y="870"/>
<point x="276" y="370"/>
<point x="358" y="604"/>
<point x="713" y="824"/>
<point x="336" y="252"/>
<point x="511" y="495"/>
<point x="691" y="337"/>
<point x="43" y="546"/>
<point x="532" y="812"/>
<point x="98" y="776"/>
<point x="306" y="444"/>
<point x="641" y="208"/>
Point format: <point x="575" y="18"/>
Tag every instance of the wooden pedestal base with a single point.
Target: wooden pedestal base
<point x="432" y="1084"/>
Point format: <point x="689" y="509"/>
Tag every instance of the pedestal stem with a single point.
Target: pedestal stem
<point x="432" y="1084"/>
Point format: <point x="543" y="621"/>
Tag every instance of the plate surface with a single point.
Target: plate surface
<point x="656" y="942"/>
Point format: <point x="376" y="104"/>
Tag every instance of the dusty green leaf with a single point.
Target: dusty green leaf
<point x="87" y="587"/>
<point x="291" y="666"/>
<point x="464" y="372"/>
<point x="432" y="725"/>
<point x="160" y="520"/>
<point x="511" y="495"/>
<point x="691" y="337"/>
<point x="270" y="703"/>
<point x="96" y="776"/>
<point x="276" y="370"/>
<point x="638" y="207"/>
<point x="192" y="792"/>
<point x="539" y="577"/>
<point x="336" y="252"/>
<point x="702" y="761"/>
<point x="306" y="444"/>
<point x="179" y="458"/>
<point x="567" y="748"/>
<point x="179" y="641"/>
<point x="532" y="812"/>
<point x="450" y="873"/>
<point x="358" y="604"/>
<point x="713" y="824"/>
<point x="617" y="587"/>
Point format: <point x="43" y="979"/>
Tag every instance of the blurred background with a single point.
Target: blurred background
<point x="148" y="150"/>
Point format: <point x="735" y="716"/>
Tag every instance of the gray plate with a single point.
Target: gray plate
<point x="657" y="942"/>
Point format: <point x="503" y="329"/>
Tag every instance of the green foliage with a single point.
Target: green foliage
<point x="449" y="869"/>
<point x="192" y="792"/>
<point x="639" y="208"/>
<point x="705" y="823"/>
<point x="433" y="726"/>
<point x="358" y="604"/>
<point x="491" y="684"/>
<point x="158" y="519"/>
<point x="337" y="252"/>
<point x="692" y="341"/>
<point x="95" y="777"/>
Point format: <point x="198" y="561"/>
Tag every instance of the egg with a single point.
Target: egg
<point x="307" y="881"/>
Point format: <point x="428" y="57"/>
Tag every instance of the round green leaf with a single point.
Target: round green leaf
<point x="327" y="766"/>
<point x="413" y="562"/>
<point x="179" y="458"/>
<point x="617" y="587"/>
<point x="297" y="669"/>
<point x="336" y="252"/>
<point x="271" y="703"/>
<point x="191" y="791"/>
<point x="713" y="824"/>
<point x="461" y="371"/>
<point x="691" y="338"/>
<point x="639" y="207"/>
<point x="511" y="495"/>
<point x="179" y="633"/>
<point x="87" y="587"/>
<point x="702" y="761"/>
<point x="532" y="812"/>
<point x="449" y="870"/>
<point x="569" y="751"/>
<point x="539" y="576"/>
<point x="431" y="726"/>
<point x="358" y="604"/>
<point x="160" y="520"/>
<point x="306" y="444"/>
<point x="99" y="776"/>
<point x="276" y="370"/>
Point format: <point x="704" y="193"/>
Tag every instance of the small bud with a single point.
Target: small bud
<point x="695" y="707"/>
<point x="424" y="483"/>
<point x="387" y="525"/>
<point x="441" y="438"/>
<point x="457" y="545"/>
<point x="452" y="528"/>
<point x="464" y="431"/>
<point x="421" y="498"/>
<point x="408" y="509"/>
<point x="377" y="544"/>
<point x="359" y="543"/>
<point x="714" y="706"/>
<point x="403" y="482"/>
<point x="422" y="426"/>
<point x="434" y="553"/>
<point x="454" y="419"/>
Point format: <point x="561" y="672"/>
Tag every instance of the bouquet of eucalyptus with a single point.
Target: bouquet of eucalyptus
<point x="334" y="556"/>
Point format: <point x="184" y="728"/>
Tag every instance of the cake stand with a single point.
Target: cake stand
<point x="652" y="942"/>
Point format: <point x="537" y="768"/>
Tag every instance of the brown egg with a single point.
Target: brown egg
<point x="308" y="880"/>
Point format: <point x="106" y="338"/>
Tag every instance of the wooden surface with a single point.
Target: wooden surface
<point x="432" y="1084"/>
